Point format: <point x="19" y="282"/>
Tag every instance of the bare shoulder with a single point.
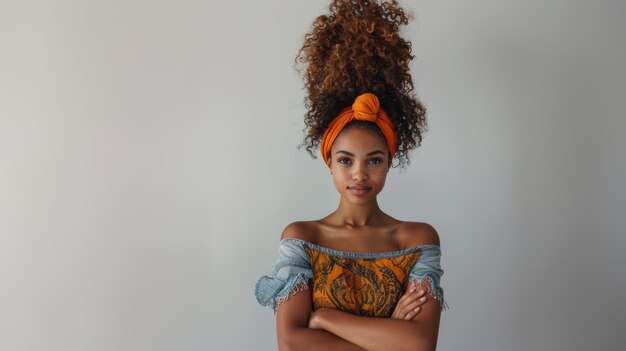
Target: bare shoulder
<point x="418" y="233"/>
<point x="302" y="230"/>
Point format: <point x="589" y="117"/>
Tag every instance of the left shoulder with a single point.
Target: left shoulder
<point x="417" y="233"/>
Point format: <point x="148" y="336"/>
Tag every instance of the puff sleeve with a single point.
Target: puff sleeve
<point x="291" y="273"/>
<point x="428" y="268"/>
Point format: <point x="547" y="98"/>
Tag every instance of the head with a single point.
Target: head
<point x="359" y="156"/>
<point x="354" y="48"/>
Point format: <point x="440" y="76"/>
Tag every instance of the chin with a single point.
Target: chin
<point x="360" y="199"/>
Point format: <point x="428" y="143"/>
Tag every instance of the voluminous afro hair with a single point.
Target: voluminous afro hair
<point x="355" y="49"/>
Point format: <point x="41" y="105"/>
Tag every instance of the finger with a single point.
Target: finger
<point x="412" y="313"/>
<point x="401" y="310"/>
<point x="411" y="287"/>
<point x="400" y="314"/>
<point x="408" y="307"/>
<point x="418" y="289"/>
<point x="407" y="298"/>
<point x="416" y="303"/>
<point x="415" y="288"/>
<point x="408" y="301"/>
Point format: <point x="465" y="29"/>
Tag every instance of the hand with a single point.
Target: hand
<point x="410" y="303"/>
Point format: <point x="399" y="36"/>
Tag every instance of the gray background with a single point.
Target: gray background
<point x="148" y="165"/>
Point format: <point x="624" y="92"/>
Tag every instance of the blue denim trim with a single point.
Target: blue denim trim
<point x="428" y="268"/>
<point x="423" y="248"/>
<point x="271" y="292"/>
<point x="291" y="273"/>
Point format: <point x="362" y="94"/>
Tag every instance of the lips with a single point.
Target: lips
<point x="360" y="188"/>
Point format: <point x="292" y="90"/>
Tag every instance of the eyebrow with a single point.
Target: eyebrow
<point x="351" y="154"/>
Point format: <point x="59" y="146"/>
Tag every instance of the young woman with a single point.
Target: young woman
<point x="358" y="279"/>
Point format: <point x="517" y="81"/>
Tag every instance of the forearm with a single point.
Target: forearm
<point x="375" y="334"/>
<point x="307" y="339"/>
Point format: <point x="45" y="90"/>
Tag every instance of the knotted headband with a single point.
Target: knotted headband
<point x="366" y="107"/>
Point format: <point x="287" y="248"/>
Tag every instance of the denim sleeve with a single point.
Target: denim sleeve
<point x="291" y="273"/>
<point x="427" y="268"/>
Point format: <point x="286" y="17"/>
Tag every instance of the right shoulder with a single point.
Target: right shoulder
<point x="303" y="230"/>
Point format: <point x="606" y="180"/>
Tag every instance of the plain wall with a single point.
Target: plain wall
<point x="148" y="165"/>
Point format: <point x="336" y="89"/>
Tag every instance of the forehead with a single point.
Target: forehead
<point x="359" y="139"/>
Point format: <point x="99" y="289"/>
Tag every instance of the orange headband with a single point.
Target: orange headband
<point x="365" y="108"/>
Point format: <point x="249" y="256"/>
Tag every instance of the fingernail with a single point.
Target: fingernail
<point x="412" y="289"/>
<point x="423" y="298"/>
<point x="421" y="291"/>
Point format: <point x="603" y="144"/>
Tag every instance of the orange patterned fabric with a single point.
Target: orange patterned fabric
<point x="362" y="286"/>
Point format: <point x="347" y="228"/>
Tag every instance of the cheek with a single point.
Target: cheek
<point x="380" y="178"/>
<point x="341" y="172"/>
<point x="340" y="178"/>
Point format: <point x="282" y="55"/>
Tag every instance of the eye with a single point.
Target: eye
<point x="342" y="159"/>
<point x="347" y="160"/>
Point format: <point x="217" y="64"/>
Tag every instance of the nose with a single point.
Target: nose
<point x="359" y="174"/>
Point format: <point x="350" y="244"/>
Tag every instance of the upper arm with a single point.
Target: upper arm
<point x="287" y="289"/>
<point x="293" y="313"/>
<point x="296" y="310"/>
<point x="429" y="317"/>
<point x="427" y="274"/>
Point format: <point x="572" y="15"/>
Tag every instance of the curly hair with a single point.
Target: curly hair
<point x="354" y="49"/>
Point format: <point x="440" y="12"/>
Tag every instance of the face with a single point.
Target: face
<point x="359" y="161"/>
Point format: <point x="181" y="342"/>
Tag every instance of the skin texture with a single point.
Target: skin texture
<point x="350" y="170"/>
<point x="359" y="225"/>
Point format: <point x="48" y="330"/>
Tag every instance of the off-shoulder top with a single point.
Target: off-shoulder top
<point x="365" y="284"/>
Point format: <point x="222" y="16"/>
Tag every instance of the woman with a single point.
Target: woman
<point x="358" y="279"/>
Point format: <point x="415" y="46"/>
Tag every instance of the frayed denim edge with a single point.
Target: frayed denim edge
<point x="301" y="284"/>
<point x="433" y="290"/>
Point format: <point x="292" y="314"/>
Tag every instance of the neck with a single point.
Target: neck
<point x="358" y="215"/>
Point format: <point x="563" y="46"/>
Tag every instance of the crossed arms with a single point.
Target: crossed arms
<point x="330" y="329"/>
